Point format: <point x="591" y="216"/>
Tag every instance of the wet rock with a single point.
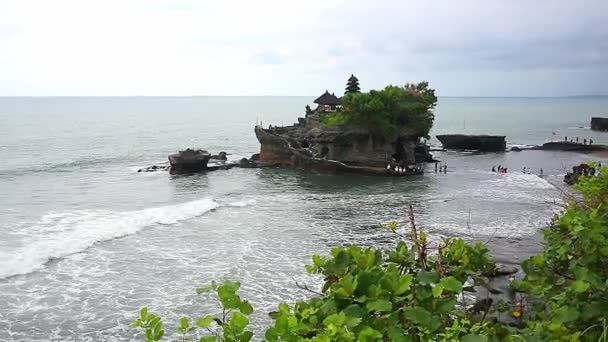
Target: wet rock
<point x="154" y="168"/>
<point x="189" y="161"/>
<point x="483" y="143"/>
<point x="503" y="270"/>
<point x="515" y="149"/>
<point x="599" y="124"/>
<point x="220" y="156"/>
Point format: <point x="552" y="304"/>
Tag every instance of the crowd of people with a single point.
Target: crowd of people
<point x="577" y="141"/>
<point x="442" y="167"/>
<point x="526" y="170"/>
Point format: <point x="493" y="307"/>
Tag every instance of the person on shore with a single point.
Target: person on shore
<point x="541" y="171"/>
<point x="599" y="165"/>
<point x="566" y="138"/>
<point x="436" y="163"/>
<point x="577" y="139"/>
<point x="445" y="168"/>
<point x="571" y="140"/>
<point x="590" y="141"/>
<point x="529" y="170"/>
<point x="524" y="170"/>
<point x="505" y="170"/>
<point x="584" y="141"/>
<point x="493" y="168"/>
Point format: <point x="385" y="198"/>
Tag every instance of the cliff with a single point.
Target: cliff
<point x="599" y="124"/>
<point x="337" y="149"/>
<point x="484" y="143"/>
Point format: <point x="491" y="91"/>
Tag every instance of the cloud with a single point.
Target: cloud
<point x="188" y="47"/>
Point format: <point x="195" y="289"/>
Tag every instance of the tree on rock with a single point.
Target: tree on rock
<point x="352" y="86"/>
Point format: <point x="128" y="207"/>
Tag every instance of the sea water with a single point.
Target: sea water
<point x="86" y="240"/>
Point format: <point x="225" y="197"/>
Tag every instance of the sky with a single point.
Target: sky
<point x="294" y="47"/>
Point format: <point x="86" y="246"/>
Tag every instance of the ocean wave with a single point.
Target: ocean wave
<point x="59" y="234"/>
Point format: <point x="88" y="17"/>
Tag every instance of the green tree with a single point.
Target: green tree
<point x="389" y="110"/>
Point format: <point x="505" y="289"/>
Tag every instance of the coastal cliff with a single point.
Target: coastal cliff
<point x="305" y="147"/>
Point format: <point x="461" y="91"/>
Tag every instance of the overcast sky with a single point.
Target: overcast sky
<point x="284" y="47"/>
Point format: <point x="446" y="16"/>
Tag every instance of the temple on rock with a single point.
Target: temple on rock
<point x="328" y="102"/>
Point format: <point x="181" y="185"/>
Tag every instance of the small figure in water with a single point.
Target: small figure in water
<point x="493" y="168"/>
<point x="524" y="170"/>
<point x="445" y="168"/>
<point x="436" y="163"/>
<point x="529" y="170"/>
<point x="541" y="171"/>
<point x="566" y="138"/>
<point x="584" y="141"/>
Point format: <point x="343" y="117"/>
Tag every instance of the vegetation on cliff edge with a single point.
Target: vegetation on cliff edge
<point x="388" y="110"/>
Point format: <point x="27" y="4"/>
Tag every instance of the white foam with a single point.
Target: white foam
<point x="243" y="203"/>
<point x="59" y="234"/>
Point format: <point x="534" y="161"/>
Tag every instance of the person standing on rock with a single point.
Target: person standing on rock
<point x="436" y="166"/>
<point x="584" y="141"/>
<point x="577" y="139"/>
<point x="541" y="172"/>
<point x="566" y="138"/>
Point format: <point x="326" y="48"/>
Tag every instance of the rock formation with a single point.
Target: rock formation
<point x="189" y="161"/>
<point x="483" y="143"/>
<point x="572" y="146"/>
<point x="599" y="124"/>
<point x="338" y="149"/>
<point x="580" y="170"/>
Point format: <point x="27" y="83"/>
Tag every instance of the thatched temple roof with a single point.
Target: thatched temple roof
<point x="328" y="99"/>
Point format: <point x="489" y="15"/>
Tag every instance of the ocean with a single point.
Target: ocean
<point x="86" y="240"/>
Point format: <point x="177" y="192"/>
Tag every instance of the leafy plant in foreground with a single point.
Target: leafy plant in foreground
<point x="569" y="279"/>
<point x="230" y="326"/>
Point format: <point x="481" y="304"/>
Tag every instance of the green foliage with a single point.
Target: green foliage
<point x="388" y="110"/>
<point x="401" y="295"/>
<point x="415" y="291"/>
<point x="229" y="327"/>
<point x="569" y="279"/>
<point x="151" y="324"/>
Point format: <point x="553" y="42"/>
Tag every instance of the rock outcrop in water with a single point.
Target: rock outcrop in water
<point x="189" y="161"/>
<point x="483" y="143"/>
<point x="338" y="150"/>
<point x="572" y="146"/>
<point x="599" y="124"/>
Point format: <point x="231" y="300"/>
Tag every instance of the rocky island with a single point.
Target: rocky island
<point x="484" y="143"/>
<point x="379" y="133"/>
<point x="599" y="124"/>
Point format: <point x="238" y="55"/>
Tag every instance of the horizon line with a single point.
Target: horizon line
<point x="188" y="96"/>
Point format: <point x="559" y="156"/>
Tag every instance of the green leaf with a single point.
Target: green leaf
<point x="444" y="305"/>
<point x="451" y="284"/>
<point x="369" y="334"/>
<point x="473" y="338"/>
<point x="565" y="314"/>
<point x="418" y="315"/>
<point x="427" y="277"/>
<point x="381" y="305"/>
<point x="208" y="339"/>
<point x="246" y="336"/>
<point x="183" y="323"/>
<point x="204" y="322"/>
<point x="143" y="313"/>
<point x="405" y="281"/>
<point x="245" y="307"/>
<point x="437" y="291"/>
<point x="238" y="322"/>
<point x="580" y="286"/>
